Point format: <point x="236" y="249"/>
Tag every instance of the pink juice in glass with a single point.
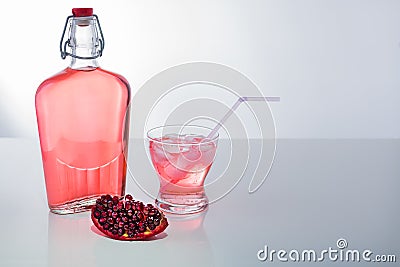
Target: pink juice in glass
<point x="182" y="163"/>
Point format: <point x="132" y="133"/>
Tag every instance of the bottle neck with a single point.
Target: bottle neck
<point x="84" y="43"/>
<point x="83" y="64"/>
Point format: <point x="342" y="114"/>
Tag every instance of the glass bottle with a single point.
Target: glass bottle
<point x="83" y="122"/>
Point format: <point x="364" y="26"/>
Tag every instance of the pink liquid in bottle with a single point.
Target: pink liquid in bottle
<point x="83" y="121"/>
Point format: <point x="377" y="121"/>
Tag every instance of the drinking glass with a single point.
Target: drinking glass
<point x="182" y="155"/>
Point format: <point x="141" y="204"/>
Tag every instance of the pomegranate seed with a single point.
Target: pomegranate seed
<point x="97" y="214"/>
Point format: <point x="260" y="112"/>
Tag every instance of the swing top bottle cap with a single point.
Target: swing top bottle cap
<point x="82" y="12"/>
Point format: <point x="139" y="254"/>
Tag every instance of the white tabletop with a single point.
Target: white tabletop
<point x="317" y="192"/>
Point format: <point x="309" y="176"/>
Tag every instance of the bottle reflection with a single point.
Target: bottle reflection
<point x="70" y="240"/>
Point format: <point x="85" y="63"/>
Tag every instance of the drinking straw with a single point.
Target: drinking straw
<point x="237" y="104"/>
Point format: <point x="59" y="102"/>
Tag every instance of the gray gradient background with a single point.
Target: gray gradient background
<point x="334" y="63"/>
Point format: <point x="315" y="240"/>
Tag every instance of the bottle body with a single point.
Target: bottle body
<point x="83" y="121"/>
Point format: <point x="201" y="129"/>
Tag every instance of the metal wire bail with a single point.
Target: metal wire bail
<point x="63" y="45"/>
